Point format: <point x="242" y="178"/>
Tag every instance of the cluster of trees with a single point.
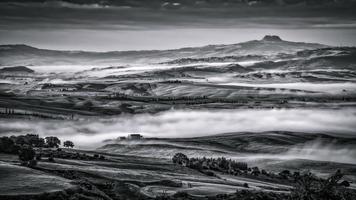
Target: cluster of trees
<point x="59" y="153"/>
<point x="7" y="145"/>
<point x="156" y="98"/>
<point x="31" y="140"/>
<point x="23" y="145"/>
<point x="216" y="164"/>
<point x="213" y="59"/>
<point x="307" y="186"/>
<point x="229" y="166"/>
<point x="9" y="111"/>
<point x="190" y="100"/>
<point x="310" y="187"/>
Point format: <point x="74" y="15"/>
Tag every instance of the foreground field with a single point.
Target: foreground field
<point x="17" y="181"/>
<point x="79" y="174"/>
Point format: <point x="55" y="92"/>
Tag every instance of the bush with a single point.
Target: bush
<point x="38" y="157"/>
<point x="32" y="163"/>
<point x="180" y="159"/>
<point x="27" y="154"/>
<point x="51" y="158"/>
<point x="241" y="165"/>
<point x="7" y="145"/>
<point x="68" y="144"/>
<point x="255" y="171"/>
<point x="284" y="174"/>
<point x="264" y="172"/>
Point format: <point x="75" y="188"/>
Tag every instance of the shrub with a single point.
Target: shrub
<point x="52" y="142"/>
<point x="241" y="165"/>
<point x="38" y="156"/>
<point x="51" y="158"/>
<point x="180" y="159"/>
<point x="68" y="144"/>
<point x="255" y="171"/>
<point x="32" y="163"/>
<point x="7" y="145"/>
<point x="26" y="154"/>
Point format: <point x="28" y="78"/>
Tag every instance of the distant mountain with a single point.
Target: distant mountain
<point x="12" y="55"/>
<point x="17" y="69"/>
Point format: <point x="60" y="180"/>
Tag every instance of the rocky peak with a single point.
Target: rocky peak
<point x="272" y="38"/>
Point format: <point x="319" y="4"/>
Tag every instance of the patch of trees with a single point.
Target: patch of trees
<point x="23" y="146"/>
<point x="70" y="155"/>
<point x="310" y="187"/>
<point x="7" y="145"/>
<point x="231" y="167"/>
<point x="9" y="111"/>
<point x="188" y="100"/>
<point x="213" y="59"/>
<point x="31" y="140"/>
<point x="216" y="164"/>
<point x="307" y="186"/>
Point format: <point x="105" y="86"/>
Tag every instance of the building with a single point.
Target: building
<point x="134" y="136"/>
<point x="122" y="138"/>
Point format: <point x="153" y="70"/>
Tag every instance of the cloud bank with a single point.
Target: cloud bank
<point x="91" y="132"/>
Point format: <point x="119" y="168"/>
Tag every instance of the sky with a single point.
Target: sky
<point x="95" y="27"/>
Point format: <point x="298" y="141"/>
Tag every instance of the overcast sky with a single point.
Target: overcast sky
<point x="67" y="26"/>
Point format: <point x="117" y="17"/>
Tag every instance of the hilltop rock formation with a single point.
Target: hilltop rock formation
<point x="272" y="38"/>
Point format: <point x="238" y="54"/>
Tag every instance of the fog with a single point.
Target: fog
<point x="90" y="132"/>
<point x="332" y="88"/>
<point x="318" y="150"/>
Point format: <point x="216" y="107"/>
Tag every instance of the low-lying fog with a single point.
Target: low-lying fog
<point x="332" y="88"/>
<point x="90" y="132"/>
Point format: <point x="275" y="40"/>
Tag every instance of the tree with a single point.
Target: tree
<point x="20" y="140"/>
<point x="180" y="159"/>
<point x="34" y="140"/>
<point x="52" y="141"/>
<point x="27" y="154"/>
<point x="7" y="145"/>
<point x="68" y="144"/>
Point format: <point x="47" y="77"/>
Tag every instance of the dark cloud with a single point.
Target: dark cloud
<point x="176" y="4"/>
<point x="138" y="13"/>
<point x="180" y="22"/>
